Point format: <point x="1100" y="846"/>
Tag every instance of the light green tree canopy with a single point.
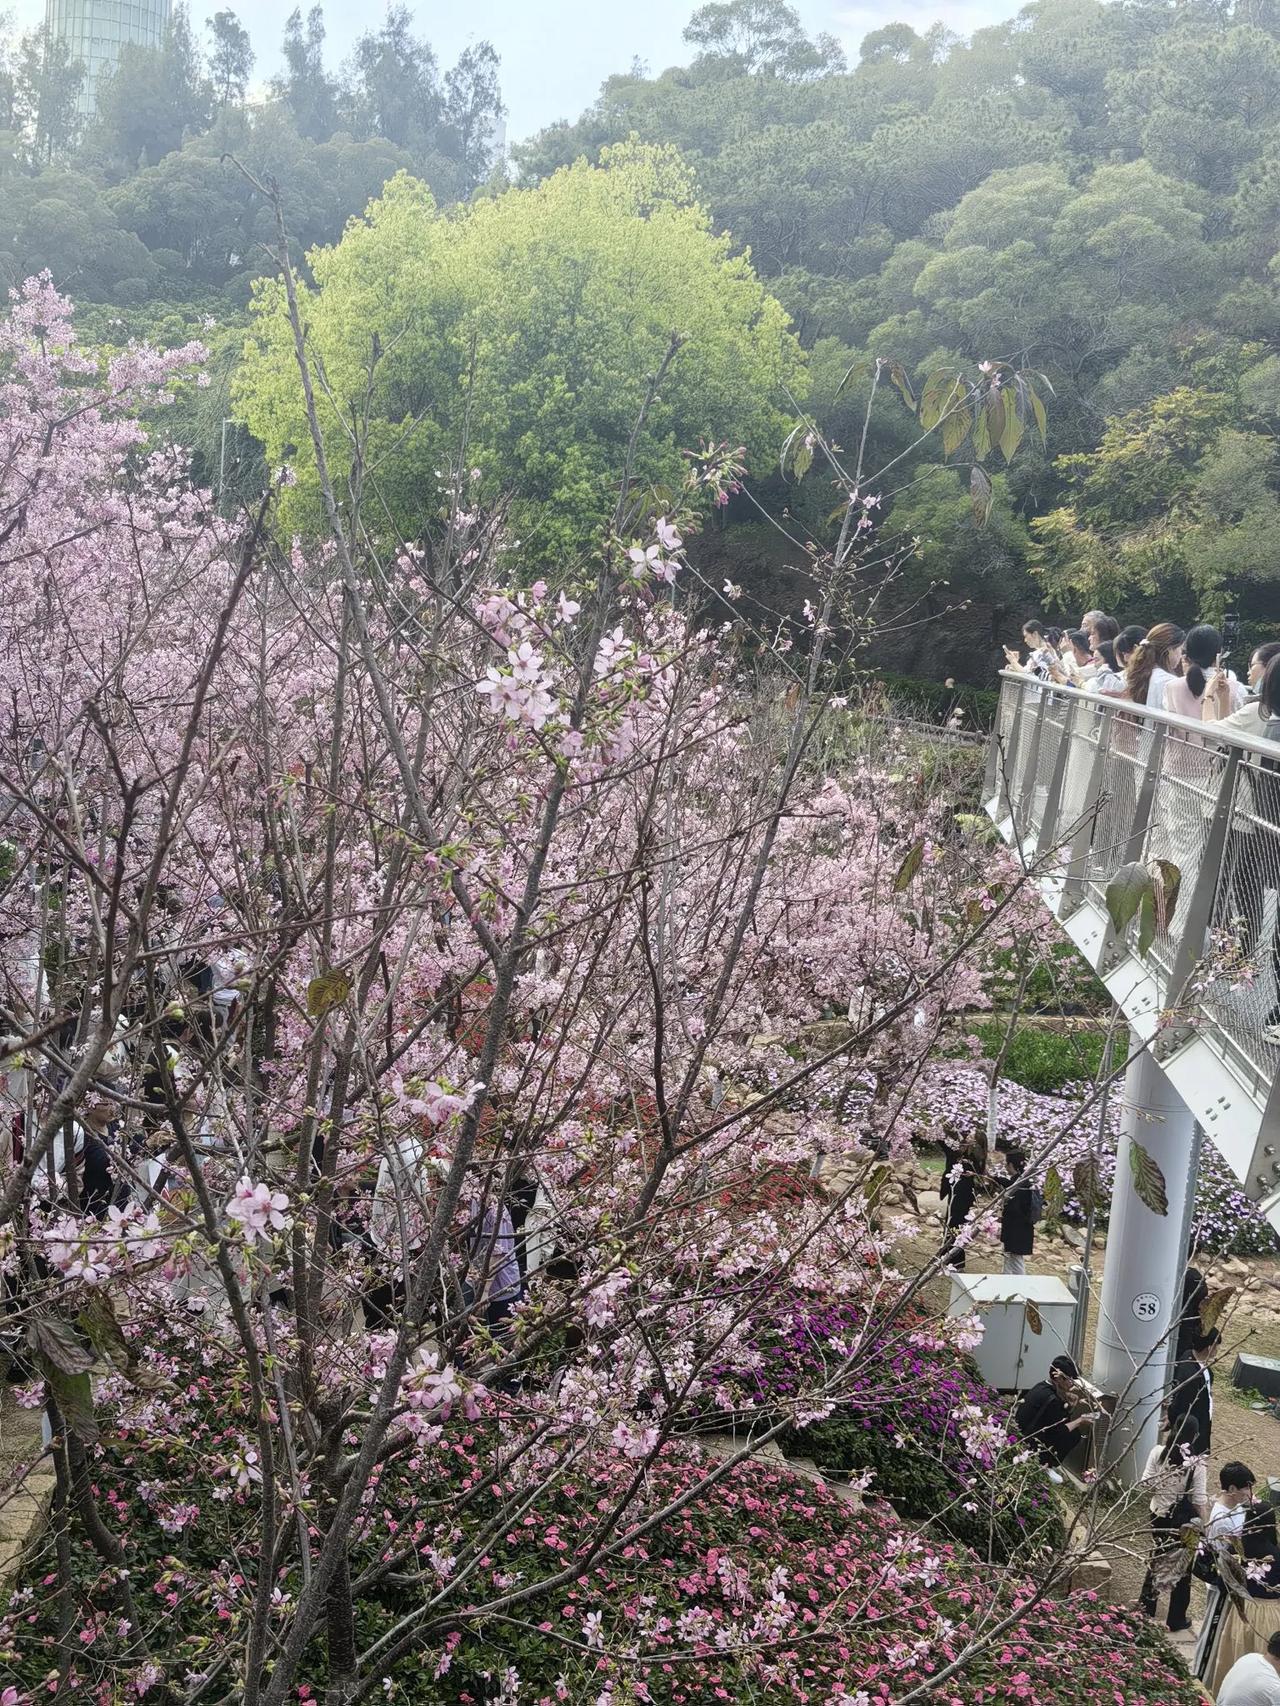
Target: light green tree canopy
<point x="518" y="336"/>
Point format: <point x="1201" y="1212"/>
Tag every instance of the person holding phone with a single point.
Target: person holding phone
<point x="1186" y="695"/>
<point x="1044" y="1421"/>
<point x="1044" y="662"/>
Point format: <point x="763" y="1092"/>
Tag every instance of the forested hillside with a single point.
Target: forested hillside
<point x="1089" y="191"/>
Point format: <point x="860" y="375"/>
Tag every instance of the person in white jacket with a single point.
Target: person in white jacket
<point x="1254" y="1680"/>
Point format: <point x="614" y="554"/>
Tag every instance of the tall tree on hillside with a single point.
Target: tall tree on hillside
<point x="306" y="87"/>
<point x="393" y="83"/>
<point x="231" y="61"/>
<point x="473" y="111"/>
<point x="759" y="36"/>
<point x="46" y="84"/>
<point x="155" y="97"/>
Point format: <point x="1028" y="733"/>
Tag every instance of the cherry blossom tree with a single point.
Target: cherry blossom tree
<point x="353" y="894"/>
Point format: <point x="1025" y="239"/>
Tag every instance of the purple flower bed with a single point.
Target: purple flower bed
<point x="920" y="1418"/>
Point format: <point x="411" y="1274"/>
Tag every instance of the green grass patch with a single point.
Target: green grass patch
<point x="1044" y="1059"/>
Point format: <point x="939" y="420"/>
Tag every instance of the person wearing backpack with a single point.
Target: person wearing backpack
<point x="1022" y="1208"/>
<point x="1178" y="1496"/>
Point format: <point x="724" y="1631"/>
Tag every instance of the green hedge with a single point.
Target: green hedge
<point x="1014" y="1512"/>
<point x="937" y="701"/>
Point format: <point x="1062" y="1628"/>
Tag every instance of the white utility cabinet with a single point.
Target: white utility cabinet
<point x="1011" y="1356"/>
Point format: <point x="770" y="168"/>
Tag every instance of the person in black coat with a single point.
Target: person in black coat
<point x="1042" y="1418"/>
<point x="1194" y="1292"/>
<point x="1191" y="1398"/>
<point x="1018" y="1216"/>
<point x="959" y="1193"/>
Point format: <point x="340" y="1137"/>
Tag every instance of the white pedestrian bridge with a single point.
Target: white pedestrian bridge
<point x="1078" y="786"/>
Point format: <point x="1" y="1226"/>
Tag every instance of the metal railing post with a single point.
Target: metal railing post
<point x="991" y="782"/>
<point x="1027" y="788"/>
<point x="1010" y="756"/>
<point x="1146" y="797"/>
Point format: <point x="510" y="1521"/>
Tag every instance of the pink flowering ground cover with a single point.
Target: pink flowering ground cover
<point x="763" y="1586"/>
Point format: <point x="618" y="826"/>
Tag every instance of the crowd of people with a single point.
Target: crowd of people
<point x="1165" y="668"/>
<point x="1228" y="1541"/>
<point x="1185" y="674"/>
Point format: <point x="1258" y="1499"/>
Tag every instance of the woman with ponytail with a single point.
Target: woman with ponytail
<point x="1154" y="664"/>
<point x="1185" y="695"/>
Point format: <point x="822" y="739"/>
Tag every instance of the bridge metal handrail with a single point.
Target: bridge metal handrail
<point x="1080" y="784"/>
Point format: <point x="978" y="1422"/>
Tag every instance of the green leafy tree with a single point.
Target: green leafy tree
<point x="204" y="215"/>
<point x="394" y="84"/>
<point x="1204" y="104"/>
<point x="61" y="220"/>
<point x="306" y="88"/>
<point x="519" y="337"/>
<point x="44" y="92"/>
<point x="473" y="110"/>
<point x="153" y="98"/>
<point x="758" y="36"/>
<point x="1179" y="500"/>
<point x="230" y="58"/>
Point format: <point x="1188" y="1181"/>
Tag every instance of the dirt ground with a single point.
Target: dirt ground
<point x="1250" y="1324"/>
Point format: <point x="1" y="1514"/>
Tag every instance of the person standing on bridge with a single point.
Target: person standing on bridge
<point x="1155" y="662"/>
<point x="1185" y="695"/>
<point x="1114" y="655"/>
<point x="1043" y="662"/>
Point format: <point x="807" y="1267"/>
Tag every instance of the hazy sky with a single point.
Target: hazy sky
<point x="556" y="53"/>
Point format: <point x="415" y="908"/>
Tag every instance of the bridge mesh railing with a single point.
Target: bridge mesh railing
<point x="1241" y="969"/>
<point x="1094" y="783"/>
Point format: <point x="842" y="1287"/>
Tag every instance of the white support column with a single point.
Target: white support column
<point x="1146" y="1258"/>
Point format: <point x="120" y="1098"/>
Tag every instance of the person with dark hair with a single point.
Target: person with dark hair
<point x="1231" y="1507"/>
<point x="1018" y="1215"/>
<point x="1043" y="1420"/>
<point x="959" y="1190"/>
<point x="1247" y="716"/>
<point x="1155" y="661"/>
<point x="1043" y="661"/>
<point x="1100" y="628"/>
<point x="1254" y="1680"/>
<point x="1115" y="655"/>
<point x="1077" y="654"/>
<point x="1191" y="1400"/>
<point x="1179" y="1495"/>
<point x="1185" y="695"/>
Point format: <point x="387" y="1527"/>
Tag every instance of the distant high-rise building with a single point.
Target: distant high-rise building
<point x="96" y="30"/>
